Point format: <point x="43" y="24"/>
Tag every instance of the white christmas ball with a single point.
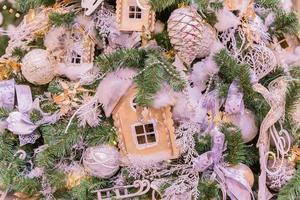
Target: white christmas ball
<point x="246" y="172"/>
<point x="37" y="68"/>
<point x="101" y="161"/>
<point x="246" y="122"/>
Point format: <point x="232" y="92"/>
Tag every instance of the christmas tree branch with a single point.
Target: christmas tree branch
<point x="236" y="151"/>
<point x="25" y="5"/>
<point x="59" y="19"/>
<point x="231" y="70"/>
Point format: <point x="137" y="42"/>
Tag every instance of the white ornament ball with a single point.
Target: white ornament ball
<point x="101" y="161"/>
<point x="246" y="122"/>
<point x="246" y="172"/>
<point x="37" y="68"/>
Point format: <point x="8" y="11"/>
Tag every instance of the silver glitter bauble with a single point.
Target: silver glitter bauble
<point x="101" y="161"/>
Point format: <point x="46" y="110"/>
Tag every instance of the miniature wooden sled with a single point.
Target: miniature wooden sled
<point x="139" y="188"/>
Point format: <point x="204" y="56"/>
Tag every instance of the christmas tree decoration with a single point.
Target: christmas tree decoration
<point x="90" y="5"/>
<point x="134" y="15"/>
<point x="37" y="68"/>
<point x="246" y="121"/>
<point x="149" y="99"/>
<point x="75" y="176"/>
<point x="101" y="161"/>
<point x="140" y="136"/>
<point x="142" y="186"/>
<point x="276" y="181"/>
<point x="189" y="34"/>
<point x="261" y="59"/>
<point x="246" y="172"/>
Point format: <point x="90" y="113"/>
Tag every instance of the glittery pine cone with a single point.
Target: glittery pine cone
<point x="276" y="181"/>
<point x="190" y="35"/>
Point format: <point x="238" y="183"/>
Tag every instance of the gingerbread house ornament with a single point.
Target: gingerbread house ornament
<point x="145" y="134"/>
<point x="135" y="15"/>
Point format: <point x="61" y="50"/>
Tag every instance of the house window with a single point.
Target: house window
<point x="133" y="104"/>
<point x="135" y="12"/>
<point x="76" y="58"/>
<point x="145" y="134"/>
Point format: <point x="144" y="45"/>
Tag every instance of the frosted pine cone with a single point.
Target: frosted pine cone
<point x="277" y="181"/>
<point x="190" y="35"/>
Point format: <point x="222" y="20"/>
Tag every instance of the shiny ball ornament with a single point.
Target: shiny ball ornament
<point x="246" y="172"/>
<point x="37" y="68"/>
<point x="246" y="122"/>
<point x="101" y="161"/>
<point x="284" y="173"/>
<point x="189" y="34"/>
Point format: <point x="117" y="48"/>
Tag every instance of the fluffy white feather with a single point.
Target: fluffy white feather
<point x="226" y="20"/>
<point x="87" y="24"/>
<point x="202" y="71"/>
<point x="73" y="72"/>
<point x="113" y="87"/>
<point x="56" y="38"/>
<point x="165" y="97"/>
<point x="189" y="107"/>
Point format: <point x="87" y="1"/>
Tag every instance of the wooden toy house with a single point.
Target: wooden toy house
<point x="133" y="15"/>
<point x="81" y="47"/>
<point x="146" y="134"/>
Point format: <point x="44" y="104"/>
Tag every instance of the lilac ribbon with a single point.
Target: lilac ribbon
<point x="19" y="121"/>
<point x="205" y="160"/>
<point x="234" y="102"/>
<point x="7" y="94"/>
<point x="232" y="182"/>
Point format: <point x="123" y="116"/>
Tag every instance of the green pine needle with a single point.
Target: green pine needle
<point x="35" y="116"/>
<point x="229" y="71"/>
<point x="59" y="19"/>
<point x="203" y="144"/>
<point x="18" y="53"/>
<point x="208" y="189"/>
<point x="25" y="5"/>
<point x="292" y="189"/>
<point x="268" y="3"/>
<point x="285" y="23"/>
<point x="4" y="113"/>
<point x="163" y="40"/>
<point x="236" y="151"/>
<point x="160" y="5"/>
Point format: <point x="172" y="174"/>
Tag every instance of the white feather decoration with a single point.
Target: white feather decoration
<point x="202" y="71"/>
<point x="226" y="20"/>
<point x="73" y="72"/>
<point x="165" y="97"/>
<point x="56" y="38"/>
<point x="113" y="87"/>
